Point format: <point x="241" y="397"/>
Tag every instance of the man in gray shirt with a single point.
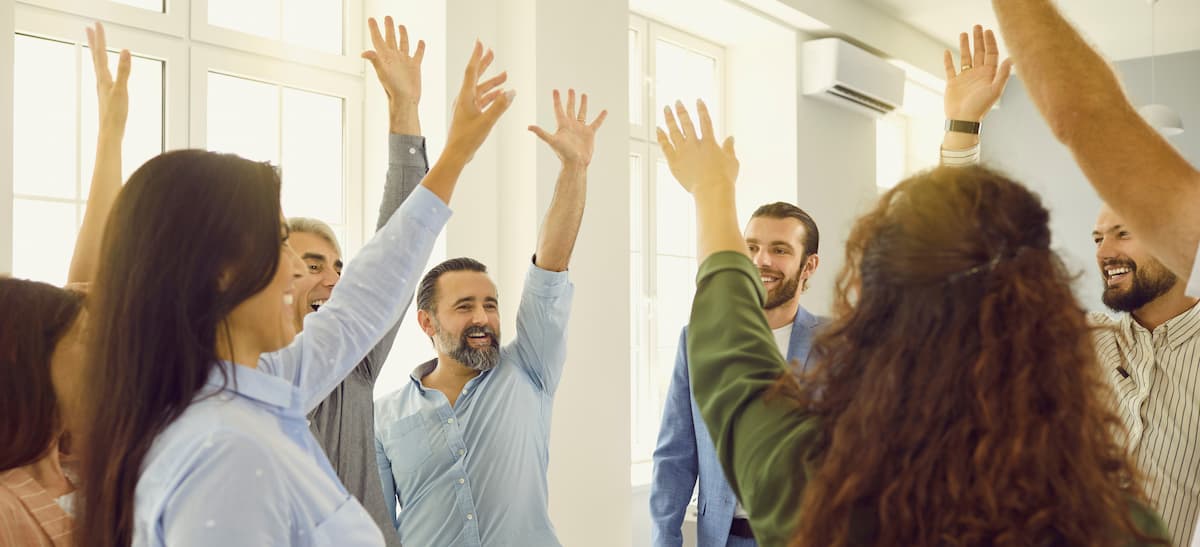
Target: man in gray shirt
<point x="344" y="422"/>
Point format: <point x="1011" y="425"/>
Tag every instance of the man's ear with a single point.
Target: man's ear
<point x="425" y="320"/>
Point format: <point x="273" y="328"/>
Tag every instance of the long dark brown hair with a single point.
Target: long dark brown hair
<point x="34" y="319"/>
<point x="191" y="235"/>
<point x="959" y="392"/>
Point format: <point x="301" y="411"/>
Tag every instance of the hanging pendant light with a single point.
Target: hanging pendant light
<point x="1160" y="116"/>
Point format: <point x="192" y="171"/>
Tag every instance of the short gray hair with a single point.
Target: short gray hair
<point x="313" y="226"/>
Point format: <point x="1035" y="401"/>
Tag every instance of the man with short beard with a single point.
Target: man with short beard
<point x="783" y="241"/>
<point x="463" y="448"/>
<point x="1152" y="356"/>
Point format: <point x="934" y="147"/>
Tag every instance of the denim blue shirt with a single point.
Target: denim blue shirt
<point x="239" y="466"/>
<point x="475" y="473"/>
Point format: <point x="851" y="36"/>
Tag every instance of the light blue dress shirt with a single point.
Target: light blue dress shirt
<point x="475" y="473"/>
<point x="239" y="466"/>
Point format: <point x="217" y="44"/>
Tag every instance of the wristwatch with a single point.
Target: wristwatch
<point x="960" y="126"/>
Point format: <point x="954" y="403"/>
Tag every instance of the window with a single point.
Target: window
<point x="190" y="87"/>
<point x="670" y="65"/>
<point x="52" y="161"/>
<point x="908" y="140"/>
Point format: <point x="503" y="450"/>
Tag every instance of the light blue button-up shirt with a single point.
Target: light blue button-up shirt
<point x="239" y="466"/>
<point x="475" y="473"/>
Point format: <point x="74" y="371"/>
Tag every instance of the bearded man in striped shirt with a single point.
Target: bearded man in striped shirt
<point x="1152" y="354"/>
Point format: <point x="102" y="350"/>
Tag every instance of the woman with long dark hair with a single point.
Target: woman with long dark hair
<point x="40" y="359"/>
<point x="955" y="399"/>
<point x="199" y="392"/>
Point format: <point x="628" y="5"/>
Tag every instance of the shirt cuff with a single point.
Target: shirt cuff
<point x="732" y="261"/>
<point x="1193" y="290"/>
<point x="960" y="158"/>
<point x="545" y="282"/>
<point x="407" y="150"/>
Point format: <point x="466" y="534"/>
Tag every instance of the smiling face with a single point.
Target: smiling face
<point x="1132" y="278"/>
<point x="777" y="247"/>
<point x="266" y="318"/>
<point x="465" y="322"/>
<point x="322" y="270"/>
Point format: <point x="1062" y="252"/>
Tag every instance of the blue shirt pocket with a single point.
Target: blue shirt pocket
<point x="406" y="443"/>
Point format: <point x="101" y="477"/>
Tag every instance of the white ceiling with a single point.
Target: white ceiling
<point x="1120" y="28"/>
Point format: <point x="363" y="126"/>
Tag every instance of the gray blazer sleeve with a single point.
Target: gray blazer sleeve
<point x="407" y="166"/>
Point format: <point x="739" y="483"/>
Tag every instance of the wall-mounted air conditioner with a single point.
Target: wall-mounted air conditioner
<point x="837" y="71"/>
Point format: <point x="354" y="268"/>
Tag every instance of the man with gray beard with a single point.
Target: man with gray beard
<point x="463" y="448"/>
<point x="1151" y="355"/>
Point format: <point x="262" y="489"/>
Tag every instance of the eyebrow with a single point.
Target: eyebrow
<point x="466" y="299"/>
<point x="754" y="241"/>
<point x="313" y="256"/>
<point x="1115" y="228"/>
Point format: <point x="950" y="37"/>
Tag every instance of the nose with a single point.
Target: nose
<point x="1107" y="249"/>
<point x="479" y="317"/>
<point x="330" y="277"/>
<point x="762" y="258"/>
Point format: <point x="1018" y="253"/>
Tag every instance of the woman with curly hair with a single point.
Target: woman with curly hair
<point x="956" y="398"/>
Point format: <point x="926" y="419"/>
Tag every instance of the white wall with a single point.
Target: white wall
<point x="1017" y="141"/>
<point x="6" y="132"/>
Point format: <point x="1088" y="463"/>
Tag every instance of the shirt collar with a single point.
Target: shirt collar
<point x="252" y="384"/>
<point x="1179" y="329"/>
<point x="422" y="371"/>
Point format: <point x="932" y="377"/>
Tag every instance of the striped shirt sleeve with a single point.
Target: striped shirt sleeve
<point x="960" y="158"/>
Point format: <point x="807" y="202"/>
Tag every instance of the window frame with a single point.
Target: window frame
<point x="205" y="59"/>
<point x="348" y="62"/>
<point x="644" y="143"/>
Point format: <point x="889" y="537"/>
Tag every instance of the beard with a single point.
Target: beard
<point x="1146" y="284"/>
<point x="459" y="348"/>
<point x="784" y="292"/>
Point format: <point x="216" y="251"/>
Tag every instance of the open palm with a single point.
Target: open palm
<point x="575" y="139"/>
<point x="972" y="91"/>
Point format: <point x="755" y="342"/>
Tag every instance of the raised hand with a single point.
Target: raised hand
<point x="399" y="72"/>
<point x="478" y="106"/>
<point x="695" y="158"/>
<point x="113" y="94"/>
<point x="575" y="139"/>
<point x="972" y="91"/>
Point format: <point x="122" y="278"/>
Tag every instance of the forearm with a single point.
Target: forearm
<point x="561" y="226"/>
<point x="407" y="166"/>
<point x="716" y="221"/>
<point x="106" y="184"/>
<point x="1071" y="84"/>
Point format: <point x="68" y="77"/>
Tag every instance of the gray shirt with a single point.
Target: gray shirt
<point x="344" y="423"/>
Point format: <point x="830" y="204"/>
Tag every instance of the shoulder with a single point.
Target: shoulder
<point x="395" y="405"/>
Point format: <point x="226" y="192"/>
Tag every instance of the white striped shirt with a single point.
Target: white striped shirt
<point x="1156" y="378"/>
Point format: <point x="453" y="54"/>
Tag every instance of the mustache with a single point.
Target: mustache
<point x="469" y="331"/>
<point x="770" y="271"/>
<point x="1119" y="262"/>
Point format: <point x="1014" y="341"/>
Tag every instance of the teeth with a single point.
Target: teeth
<point x="288" y="299"/>
<point x="1117" y="271"/>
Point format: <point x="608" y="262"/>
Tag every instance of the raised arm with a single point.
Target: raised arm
<point x="971" y="91"/>
<point x="1141" y="176"/>
<point x="383" y="276"/>
<point x="573" y="143"/>
<point x="113" y="97"/>
<point x="732" y="358"/>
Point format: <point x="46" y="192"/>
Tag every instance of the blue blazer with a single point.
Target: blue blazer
<point x="685" y="454"/>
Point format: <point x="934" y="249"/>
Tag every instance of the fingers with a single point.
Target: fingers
<point x="487" y="99"/>
<point x="991" y="48"/>
<point x="541" y="133"/>
<point x="485" y="62"/>
<point x="471" y="73"/>
<point x="499" y="107"/>
<point x="685" y="121"/>
<point x="403" y="40"/>
<point x="97" y="46"/>
<point x="980" y="54"/>
<point x="672" y="127"/>
<point x="559" y="115"/>
<point x="599" y="121"/>
<point x="664" y="143"/>
<point x="570" y="104"/>
<point x="491" y="84"/>
<point x="123" y="67"/>
<point x="1002" y="75"/>
<point x="391" y="32"/>
<point x="706" y="125"/>
<point x="582" y="115"/>
<point x="420" y="53"/>
<point x="964" y="51"/>
<point x="727" y="147"/>
<point x="948" y="60"/>
<point x="376" y="38"/>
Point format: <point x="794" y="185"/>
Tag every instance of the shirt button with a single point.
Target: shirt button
<point x="450" y="421"/>
<point x="412" y="150"/>
<point x="470" y="516"/>
<point x="462" y="481"/>
<point x="461" y="452"/>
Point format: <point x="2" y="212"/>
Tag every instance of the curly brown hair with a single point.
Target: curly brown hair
<point x="959" y="388"/>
